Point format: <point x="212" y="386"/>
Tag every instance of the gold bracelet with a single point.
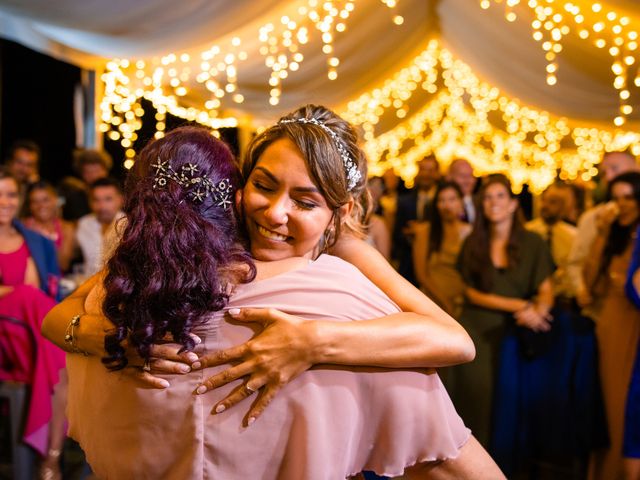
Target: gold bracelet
<point x="70" y="336"/>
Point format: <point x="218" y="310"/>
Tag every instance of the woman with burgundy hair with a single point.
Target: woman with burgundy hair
<point x="331" y="422"/>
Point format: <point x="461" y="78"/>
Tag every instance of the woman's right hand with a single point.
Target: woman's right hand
<point x="606" y="216"/>
<point x="270" y="360"/>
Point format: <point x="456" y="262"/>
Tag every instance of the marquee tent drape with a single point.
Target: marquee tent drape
<point x="87" y="32"/>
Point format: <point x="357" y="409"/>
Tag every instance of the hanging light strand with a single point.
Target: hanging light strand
<point x="530" y="146"/>
<point x="605" y="28"/>
<point x="165" y="81"/>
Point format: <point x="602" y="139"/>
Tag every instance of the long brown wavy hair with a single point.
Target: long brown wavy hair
<point x="477" y="253"/>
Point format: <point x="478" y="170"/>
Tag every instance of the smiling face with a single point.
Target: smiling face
<point x="622" y="194"/>
<point x="9" y="200"/>
<point x="461" y="172"/>
<point x="497" y="204"/>
<point x="449" y="204"/>
<point x="616" y="163"/>
<point x="105" y="202"/>
<point x="43" y="204"/>
<point x="285" y="212"/>
<point x="24" y="164"/>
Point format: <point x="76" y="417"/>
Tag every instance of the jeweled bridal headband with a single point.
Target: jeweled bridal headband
<point x="201" y="187"/>
<point x="350" y="167"/>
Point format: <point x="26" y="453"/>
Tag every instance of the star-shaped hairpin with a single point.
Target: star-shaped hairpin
<point x="191" y="168"/>
<point x="161" y="166"/>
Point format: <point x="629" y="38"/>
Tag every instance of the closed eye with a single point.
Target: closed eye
<point x="261" y="186"/>
<point x="305" y="205"/>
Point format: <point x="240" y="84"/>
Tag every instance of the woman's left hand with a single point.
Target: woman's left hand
<point x="165" y="357"/>
<point x="534" y="317"/>
<point x="282" y="351"/>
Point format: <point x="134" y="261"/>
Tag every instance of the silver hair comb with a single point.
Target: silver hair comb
<point x="200" y="187"/>
<point x="350" y="167"/>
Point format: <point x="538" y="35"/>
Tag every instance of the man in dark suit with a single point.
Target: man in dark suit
<point x="414" y="206"/>
<point x="461" y="172"/>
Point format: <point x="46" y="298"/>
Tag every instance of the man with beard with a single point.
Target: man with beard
<point x="96" y="234"/>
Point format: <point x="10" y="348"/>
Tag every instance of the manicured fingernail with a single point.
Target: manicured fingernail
<point x="196" y="339"/>
<point x="201" y="389"/>
<point x="196" y="365"/>
<point x="185" y="368"/>
<point x="192" y="357"/>
<point x="163" y="383"/>
<point x="220" y="408"/>
<point x="234" y="311"/>
<point x="251" y="420"/>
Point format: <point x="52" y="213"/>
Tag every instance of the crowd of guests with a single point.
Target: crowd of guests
<point x="50" y="240"/>
<point x="544" y="300"/>
<point x="78" y="215"/>
<point x="550" y="303"/>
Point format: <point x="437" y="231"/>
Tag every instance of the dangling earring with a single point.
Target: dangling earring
<point x="328" y="237"/>
<point x="325" y="240"/>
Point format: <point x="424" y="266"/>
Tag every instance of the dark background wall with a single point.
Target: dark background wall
<point x="36" y="102"/>
<point x="146" y="133"/>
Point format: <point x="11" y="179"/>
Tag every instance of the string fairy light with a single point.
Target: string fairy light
<point x="468" y="118"/>
<point x="165" y="81"/>
<point x="591" y="21"/>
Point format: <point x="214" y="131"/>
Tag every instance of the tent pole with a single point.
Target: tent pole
<point x="92" y="138"/>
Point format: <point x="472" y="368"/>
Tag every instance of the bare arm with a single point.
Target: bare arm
<point x="438" y="340"/>
<point x="423" y="336"/>
<point x="593" y="261"/>
<point x="533" y="315"/>
<point x="93" y="328"/>
<point x="90" y="332"/>
<point x="420" y="248"/>
<point x="492" y="301"/>
<point x="31" y="274"/>
<point x="381" y="236"/>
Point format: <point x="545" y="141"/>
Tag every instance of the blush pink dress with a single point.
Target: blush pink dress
<point x="41" y="368"/>
<point x="329" y="423"/>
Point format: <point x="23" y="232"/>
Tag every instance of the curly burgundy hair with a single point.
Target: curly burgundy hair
<point x="177" y="254"/>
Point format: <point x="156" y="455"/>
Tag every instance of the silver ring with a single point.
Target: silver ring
<point x="249" y="389"/>
<point x="147" y="366"/>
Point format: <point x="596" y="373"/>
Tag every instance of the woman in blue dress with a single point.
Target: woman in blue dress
<point x="631" y="444"/>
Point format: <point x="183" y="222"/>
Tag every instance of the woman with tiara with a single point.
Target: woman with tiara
<point x="330" y="422"/>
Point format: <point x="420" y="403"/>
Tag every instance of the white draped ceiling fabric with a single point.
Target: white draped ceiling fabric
<point x="371" y="50"/>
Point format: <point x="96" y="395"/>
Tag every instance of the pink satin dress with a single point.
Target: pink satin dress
<point x="329" y="423"/>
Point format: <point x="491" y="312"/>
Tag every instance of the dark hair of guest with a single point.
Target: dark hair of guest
<point x="436" y="230"/>
<point x="23" y="144"/>
<point x="6" y="174"/>
<point x="477" y="254"/>
<point x="106" y="182"/>
<point x="620" y="235"/>
<point x="177" y="255"/>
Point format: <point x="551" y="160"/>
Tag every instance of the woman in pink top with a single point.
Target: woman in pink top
<point x="45" y="219"/>
<point x="380" y="437"/>
<point x="28" y="281"/>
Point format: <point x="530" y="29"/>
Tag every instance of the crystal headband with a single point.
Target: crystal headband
<point x="350" y="167"/>
<point x="201" y="187"/>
